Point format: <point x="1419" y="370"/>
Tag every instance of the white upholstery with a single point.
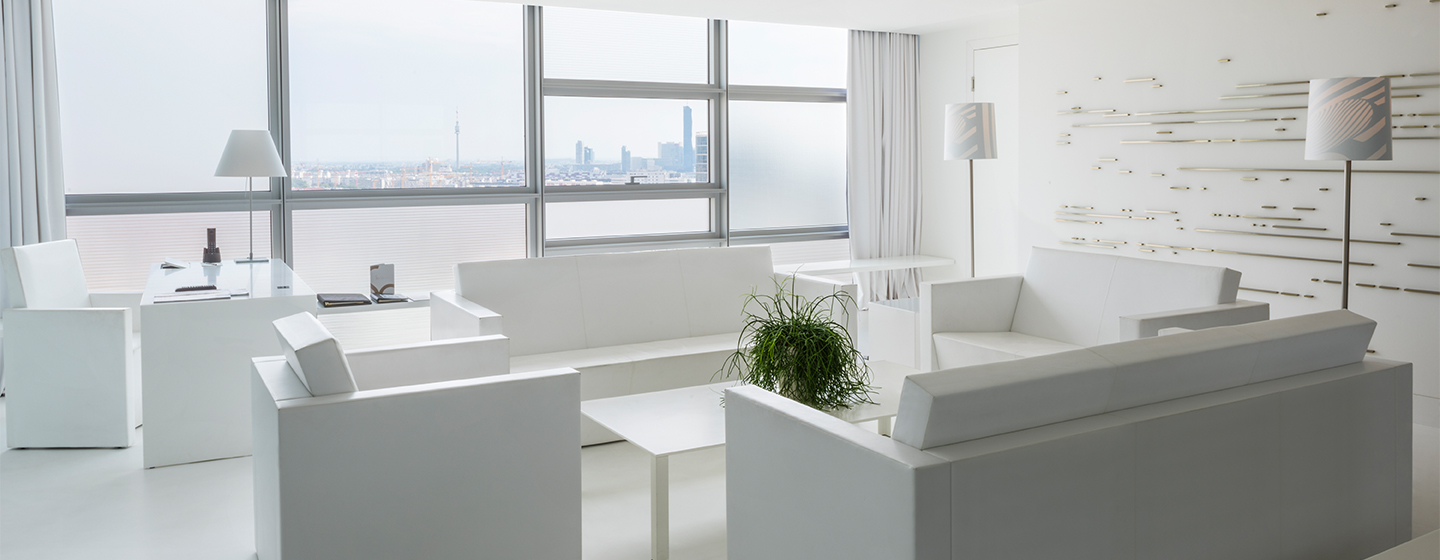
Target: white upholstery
<point x="1072" y="299"/>
<point x="315" y="355"/>
<point x="72" y="371"/>
<point x="1269" y="440"/>
<point x="448" y="456"/>
<point x="629" y="322"/>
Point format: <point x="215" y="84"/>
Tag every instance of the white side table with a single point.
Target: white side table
<point x="195" y="356"/>
<point x="892" y="328"/>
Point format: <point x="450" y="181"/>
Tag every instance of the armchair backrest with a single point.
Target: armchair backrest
<point x="1078" y="297"/>
<point x="315" y="355"/>
<point x="45" y="275"/>
<point x="554" y="304"/>
<point x="963" y="404"/>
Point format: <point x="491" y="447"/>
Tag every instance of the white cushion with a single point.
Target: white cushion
<point x="315" y="355"/>
<point x="538" y="300"/>
<point x="632" y="297"/>
<point x="45" y="276"/>
<point x="1142" y="286"/>
<point x="1308" y="343"/>
<point x="716" y="281"/>
<point x="956" y="349"/>
<point x="1063" y="295"/>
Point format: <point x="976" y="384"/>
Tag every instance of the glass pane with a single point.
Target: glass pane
<point x="138" y="113"/>
<point x="598" y="45"/>
<point x="796" y="252"/>
<point x="769" y="54"/>
<point x="787" y="164"/>
<point x="608" y="141"/>
<point x="609" y="218"/>
<point x="117" y="250"/>
<point x="398" y="95"/>
<point x="335" y="247"/>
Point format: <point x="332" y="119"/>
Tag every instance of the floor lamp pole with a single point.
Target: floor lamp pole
<point x="972" y="218"/>
<point x="250" y="199"/>
<point x="1345" y="259"/>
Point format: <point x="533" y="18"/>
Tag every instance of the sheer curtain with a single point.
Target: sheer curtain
<point x="883" y="160"/>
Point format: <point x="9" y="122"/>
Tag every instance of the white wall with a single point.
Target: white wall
<point x="1065" y="44"/>
<point x="945" y="78"/>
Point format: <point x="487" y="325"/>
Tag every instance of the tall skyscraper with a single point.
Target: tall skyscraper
<point x="457" y="140"/>
<point x="579" y="152"/>
<point x="624" y="160"/>
<point x="671" y="156"/>
<point x="702" y="156"/>
<point x="688" y="161"/>
<point x="589" y="156"/>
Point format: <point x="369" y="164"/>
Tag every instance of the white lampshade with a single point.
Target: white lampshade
<point x="1348" y="119"/>
<point x="250" y="153"/>
<point x="970" y="131"/>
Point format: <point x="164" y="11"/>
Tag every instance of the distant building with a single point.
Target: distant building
<point x="589" y="156"/>
<point x="688" y="161"/>
<point x="702" y="156"/>
<point x="671" y="156"/>
<point x="579" y="152"/>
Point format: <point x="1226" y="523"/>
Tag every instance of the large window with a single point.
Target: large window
<point x="430" y="132"/>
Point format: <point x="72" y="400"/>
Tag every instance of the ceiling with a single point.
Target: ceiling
<point x="910" y="16"/>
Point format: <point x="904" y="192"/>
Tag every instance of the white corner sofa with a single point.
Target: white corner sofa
<point x="1268" y="440"/>
<point x="629" y="322"/>
<point x="1067" y="300"/>
<point x="429" y="450"/>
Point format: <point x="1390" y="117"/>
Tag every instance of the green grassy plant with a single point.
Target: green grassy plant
<point x="797" y="349"/>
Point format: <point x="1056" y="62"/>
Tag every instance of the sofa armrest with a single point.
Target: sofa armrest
<point x="120" y="299"/>
<point x="453" y="316"/>
<point x="794" y="477"/>
<point x="430" y="362"/>
<point x="814" y="286"/>
<point x="970" y="305"/>
<point x="1149" y="324"/>
<point x="92" y="345"/>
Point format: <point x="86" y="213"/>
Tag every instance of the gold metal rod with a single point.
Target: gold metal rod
<point x="1417" y="290"/>
<point x="1278" y="226"/>
<point x="1166" y="123"/>
<point x="1090" y="245"/>
<point x="1431" y="86"/>
<point x="1204" y="230"/>
<point x="1270" y="218"/>
<point x="1259" y="95"/>
<point x="1303" y="170"/>
<point x="1133" y="80"/>
<point x="1115" y="242"/>
<point x="1418" y="265"/>
<point x="1259" y="290"/>
<point x="1162" y="212"/>
<point x="1079" y="221"/>
<point x="1106" y="215"/>
<point x="1085" y="112"/>
<point x="1429" y="235"/>
<point x="1272" y="84"/>
<point x="1302" y="208"/>
<point x="1206" y="111"/>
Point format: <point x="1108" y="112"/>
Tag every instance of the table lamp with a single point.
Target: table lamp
<point x="1348" y="119"/>
<point x="970" y="135"/>
<point x="250" y="154"/>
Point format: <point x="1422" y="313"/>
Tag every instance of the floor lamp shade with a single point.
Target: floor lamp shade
<point x="1348" y="119"/>
<point x="250" y="153"/>
<point x="970" y="131"/>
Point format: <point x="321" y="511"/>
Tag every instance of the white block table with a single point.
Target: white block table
<point x="195" y="356"/>
<point x="665" y="423"/>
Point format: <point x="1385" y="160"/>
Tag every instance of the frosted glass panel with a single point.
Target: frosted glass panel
<point x="117" y="250"/>
<point x="612" y="141"/>
<point x="150" y="90"/>
<point x="599" y="45"/>
<point x="334" y="248"/>
<point x="769" y="54"/>
<point x="415" y="94"/>
<point x="787" y="164"/>
<point x="797" y="252"/>
<point x="566" y="220"/>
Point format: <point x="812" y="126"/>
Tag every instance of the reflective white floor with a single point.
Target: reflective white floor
<point x="100" y="503"/>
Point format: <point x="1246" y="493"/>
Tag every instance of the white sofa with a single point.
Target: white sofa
<point x="1064" y="301"/>
<point x="1268" y="440"/>
<point x="422" y="451"/>
<point x="629" y="322"/>
<point x="71" y="357"/>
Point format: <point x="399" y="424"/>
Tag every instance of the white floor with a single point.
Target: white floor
<point x="100" y="503"/>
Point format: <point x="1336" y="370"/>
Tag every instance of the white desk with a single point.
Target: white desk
<point x="864" y="265"/>
<point x="664" y="423"/>
<point x="195" y="356"/>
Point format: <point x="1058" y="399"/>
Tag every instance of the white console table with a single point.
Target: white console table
<point x="195" y="356"/>
<point x="864" y="265"/>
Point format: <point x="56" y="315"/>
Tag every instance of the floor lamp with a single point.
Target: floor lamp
<point x="250" y="154"/>
<point x="1348" y="119"/>
<point x="970" y="135"/>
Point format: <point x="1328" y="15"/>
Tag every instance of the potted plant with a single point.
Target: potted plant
<point x="794" y="346"/>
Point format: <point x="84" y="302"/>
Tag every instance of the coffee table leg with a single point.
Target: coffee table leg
<point x="882" y="426"/>
<point x="660" y="507"/>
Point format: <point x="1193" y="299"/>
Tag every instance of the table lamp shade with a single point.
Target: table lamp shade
<point x="250" y="153"/>
<point x="970" y="131"/>
<point x="1349" y="119"/>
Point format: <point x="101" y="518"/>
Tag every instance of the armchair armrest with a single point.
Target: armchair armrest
<point x="453" y="316"/>
<point x="970" y="305"/>
<point x="120" y="299"/>
<point x="430" y="362"/>
<point x="814" y="286"/>
<point x="1195" y="318"/>
<point x="784" y="463"/>
<point x="53" y="351"/>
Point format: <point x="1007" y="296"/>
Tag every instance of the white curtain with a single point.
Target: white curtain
<point x="883" y="160"/>
<point x="33" y="208"/>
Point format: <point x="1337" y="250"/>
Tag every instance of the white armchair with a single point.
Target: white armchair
<point x="72" y="367"/>
<point x="430" y="450"/>
<point x="1068" y="300"/>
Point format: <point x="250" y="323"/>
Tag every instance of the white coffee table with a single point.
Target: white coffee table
<point x="665" y="423"/>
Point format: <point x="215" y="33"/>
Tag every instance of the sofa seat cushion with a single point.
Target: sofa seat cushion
<point x="956" y="349"/>
<point x="638" y="368"/>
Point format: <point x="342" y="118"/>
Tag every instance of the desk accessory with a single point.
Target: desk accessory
<point x="382" y="279"/>
<point x="250" y="154"/>
<point x="206" y="287"/>
<point x="389" y="298"/>
<point x="211" y="253"/>
<point x="342" y="300"/>
<point x="173" y="263"/>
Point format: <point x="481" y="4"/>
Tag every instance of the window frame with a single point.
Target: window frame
<point x="281" y="201"/>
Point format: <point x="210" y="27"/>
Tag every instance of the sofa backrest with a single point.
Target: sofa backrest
<point x="45" y="275"/>
<point x="314" y="355"/>
<point x="1078" y="298"/>
<point x="555" y="304"/>
<point x="963" y="404"/>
